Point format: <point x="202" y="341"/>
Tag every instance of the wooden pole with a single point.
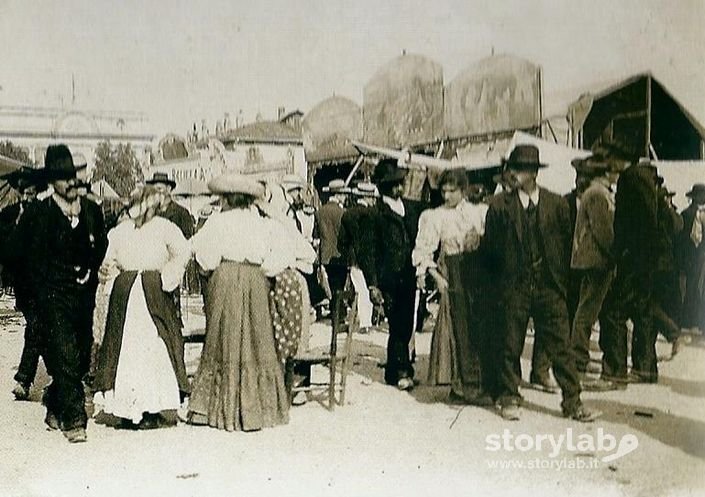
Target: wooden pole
<point x="354" y="169"/>
<point x="648" y="115"/>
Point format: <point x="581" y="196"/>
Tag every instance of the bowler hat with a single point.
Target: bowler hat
<point x="58" y="164"/>
<point x="236" y="183"/>
<point x="524" y="157"/>
<point x="162" y="178"/>
<point x="698" y="189"/>
<point x="388" y="171"/>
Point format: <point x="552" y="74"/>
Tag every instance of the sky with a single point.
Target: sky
<point x="183" y="61"/>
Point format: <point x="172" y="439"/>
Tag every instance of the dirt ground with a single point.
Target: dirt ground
<point x="382" y="442"/>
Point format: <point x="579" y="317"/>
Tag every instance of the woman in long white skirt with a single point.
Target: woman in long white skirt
<point x="140" y="371"/>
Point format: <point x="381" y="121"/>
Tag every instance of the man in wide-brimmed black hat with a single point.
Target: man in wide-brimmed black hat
<point x="28" y="184"/>
<point x="527" y="246"/>
<point x="391" y="276"/>
<point x="65" y="245"/>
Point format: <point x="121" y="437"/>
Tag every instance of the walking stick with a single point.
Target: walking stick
<point x="412" y="342"/>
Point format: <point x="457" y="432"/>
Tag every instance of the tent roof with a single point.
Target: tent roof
<point x="264" y="132"/>
<point x="601" y="91"/>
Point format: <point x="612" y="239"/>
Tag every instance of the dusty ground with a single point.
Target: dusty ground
<point x="383" y="442"/>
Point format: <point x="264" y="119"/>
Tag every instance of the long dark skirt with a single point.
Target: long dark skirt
<point x="240" y="381"/>
<point x="454" y="357"/>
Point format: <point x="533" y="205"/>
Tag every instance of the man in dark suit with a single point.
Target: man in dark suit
<point x="390" y="274"/>
<point x="689" y="256"/>
<point x="527" y="248"/>
<point x="65" y="244"/>
<point x="326" y="230"/>
<point x="635" y="249"/>
<point x="15" y="268"/>
<point x="356" y="231"/>
<point x="539" y="378"/>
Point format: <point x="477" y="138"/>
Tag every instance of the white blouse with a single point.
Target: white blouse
<point x="156" y="246"/>
<point x="243" y="235"/>
<point x="455" y="230"/>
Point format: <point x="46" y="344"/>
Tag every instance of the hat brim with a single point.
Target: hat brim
<point x="328" y="189"/>
<point x="225" y="185"/>
<point x="395" y="177"/>
<point x="58" y="175"/>
<point x="523" y="165"/>
<point x="167" y="182"/>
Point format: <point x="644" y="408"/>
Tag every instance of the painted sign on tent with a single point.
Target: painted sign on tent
<point x="403" y="103"/>
<point x="499" y="93"/>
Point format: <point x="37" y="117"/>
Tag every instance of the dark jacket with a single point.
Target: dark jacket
<point x="13" y="256"/>
<point x="636" y="220"/>
<point x="326" y="229"/>
<point x="181" y="217"/>
<point x="389" y="254"/>
<point x="687" y="252"/>
<point x="356" y="232"/>
<point x="502" y="249"/>
<point x="63" y="261"/>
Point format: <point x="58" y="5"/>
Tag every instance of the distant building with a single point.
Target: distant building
<point x="35" y="128"/>
<point x="262" y="149"/>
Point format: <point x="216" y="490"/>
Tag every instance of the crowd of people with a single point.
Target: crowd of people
<point x="102" y="299"/>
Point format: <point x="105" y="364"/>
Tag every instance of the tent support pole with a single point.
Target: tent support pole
<point x="354" y="170"/>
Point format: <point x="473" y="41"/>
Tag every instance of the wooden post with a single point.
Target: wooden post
<point x="648" y="115"/>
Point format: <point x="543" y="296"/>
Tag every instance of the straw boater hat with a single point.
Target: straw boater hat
<point x="58" y="164"/>
<point x="365" y="189"/>
<point x="698" y="189"/>
<point x="162" y="178"/>
<point x="523" y="157"/>
<point x="336" y="186"/>
<point x="236" y="183"/>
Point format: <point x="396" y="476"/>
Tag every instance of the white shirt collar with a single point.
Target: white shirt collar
<point x="396" y="204"/>
<point x="525" y="197"/>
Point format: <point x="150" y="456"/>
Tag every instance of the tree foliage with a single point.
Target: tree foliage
<point x="118" y="166"/>
<point x="12" y="151"/>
